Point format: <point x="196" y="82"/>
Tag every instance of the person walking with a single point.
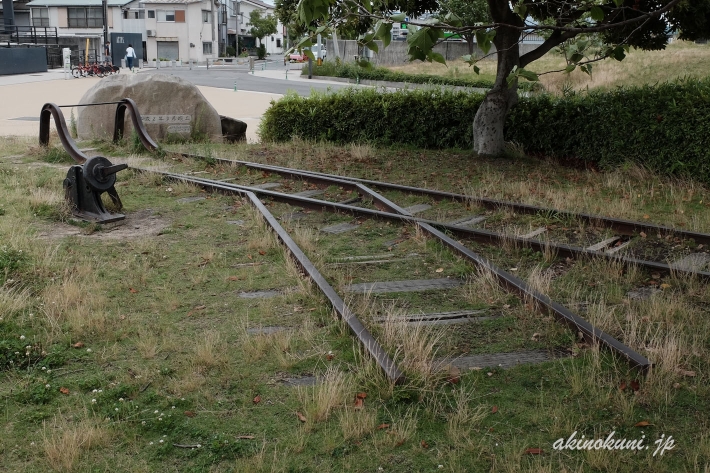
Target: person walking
<point x="130" y="56"/>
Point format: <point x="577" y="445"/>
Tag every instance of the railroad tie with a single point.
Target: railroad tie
<point x="602" y="244"/>
<point x="468" y="221"/>
<point x="693" y="262"/>
<point x="534" y="233"/>
<point x="415" y="209"/>
<point x="339" y="228"/>
<point x="496" y="360"/>
<point x="187" y="200"/>
<point x="309" y="193"/>
<point x="267" y="185"/>
<point x="416" y="285"/>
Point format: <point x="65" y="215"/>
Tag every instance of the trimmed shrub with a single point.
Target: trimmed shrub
<point x="424" y="118"/>
<point x="353" y="71"/>
<point x="663" y="127"/>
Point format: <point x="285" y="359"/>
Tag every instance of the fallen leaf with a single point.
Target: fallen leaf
<point x="454" y="374"/>
<point x="643" y="423"/>
<point x="64" y="390"/>
<point x="78" y="345"/>
<point x="676" y="385"/>
<point x="359" y="404"/>
<point x="495" y="409"/>
<point x="690" y="374"/>
<point x="383" y="426"/>
<point x="533" y="451"/>
<point x="329" y="356"/>
<point x="249" y="256"/>
<point x="646" y="217"/>
<point x="489" y="373"/>
<point x="665" y="286"/>
<point x="440" y="270"/>
<point x="189" y="414"/>
<point x="400" y="443"/>
<point x="535" y="337"/>
<point x="233" y="278"/>
<point x="301" y="417"/>
<point x="133" y="291"/>
<point x="642" y="234"/>
<point x="622" y="386"/>
<point x="635" y="385"/>
<point x="262" y="252"/>
<point x="257" y="399"/>
<point x="361" y="395"/>
<point x="245" y="437"/>
<point x="200" y="307"/>
<point x="424" y="444"/>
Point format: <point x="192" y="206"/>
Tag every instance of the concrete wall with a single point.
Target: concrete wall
<point x="192" y="31"/>
<point x="396" y="52"/>
<point x="22" y="60"/>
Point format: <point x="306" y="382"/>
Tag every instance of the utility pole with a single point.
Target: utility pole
<point x="8" y="14"/>
<point x="238" y="28"/>
<point x="104" y="10"/>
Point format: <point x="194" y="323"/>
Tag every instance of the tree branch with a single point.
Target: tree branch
<point x="555" y="39"/>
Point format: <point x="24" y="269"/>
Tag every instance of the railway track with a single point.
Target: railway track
<point x="392" y="219"/>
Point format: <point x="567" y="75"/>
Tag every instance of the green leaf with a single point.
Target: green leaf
<point x="372" y="46"/>
<point x="364" y="63"/>
<point x="398" y="17"/>
<point x="576" y="57"/>
<point x="521" y="9"/>
<point x="619" y="53"/>
<point x="570" y="68"/>
<point x="483" y="40"/>
<point x="476" y="69"/>
<point x="309" y="54"/>
<point x="452" y="19"/>
<point x="437" y="57"/>
<point x="529" y="75"/>
<point x="597" y="13"/>
<point x="383" y="31"/>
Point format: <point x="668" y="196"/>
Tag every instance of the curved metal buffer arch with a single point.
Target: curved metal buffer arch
<point x="119" y="123"/>
<point x="52" y="110"/>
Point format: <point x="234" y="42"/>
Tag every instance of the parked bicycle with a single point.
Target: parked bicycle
<point x="94" y="69"/>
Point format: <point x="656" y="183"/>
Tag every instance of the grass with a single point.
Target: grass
<point x="128" y="353"/>
<point x="679" y="59"/>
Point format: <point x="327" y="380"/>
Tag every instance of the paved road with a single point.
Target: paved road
<point x="224" y="77"/>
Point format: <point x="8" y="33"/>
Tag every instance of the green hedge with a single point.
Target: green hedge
<point x="431" y="118"/>
<point x="353" y="71"/>
<point x="665" y="127"/>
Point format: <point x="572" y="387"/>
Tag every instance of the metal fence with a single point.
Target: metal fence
<point x="30" y="34"/>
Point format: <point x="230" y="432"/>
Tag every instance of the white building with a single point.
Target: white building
<point x="78" y="17"/>
<point x="238" y="21"/>
<point x="181" y="29"/>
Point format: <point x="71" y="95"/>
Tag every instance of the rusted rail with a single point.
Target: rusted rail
<point x="49" y="111"/>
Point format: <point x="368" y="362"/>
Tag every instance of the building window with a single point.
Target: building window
<point x="207" y="48"/>
<point x="166" y="15"/>
<point x="40" y="17"/>
<point x="151" y="13"/>
<point x="139" y="15"/>
<point x="205" y="16"/>
<point x="85" y="17"/>
<point x="278" y="42"/>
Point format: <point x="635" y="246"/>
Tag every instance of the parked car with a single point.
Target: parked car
<point x="299" y="56"/>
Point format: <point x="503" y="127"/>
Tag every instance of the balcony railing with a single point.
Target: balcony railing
<point x="30" y="34"/>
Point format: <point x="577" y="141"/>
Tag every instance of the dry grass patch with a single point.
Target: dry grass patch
<point x="209" y="350"/>
<point x="334" y="390"/>
<point x="357" y="423"/>
<point x="463" y="418"/>
<point x="64" y="441"/>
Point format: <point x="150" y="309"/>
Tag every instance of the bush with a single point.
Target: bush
<point x="261" y="51"/>
<point x="431" y="118"/>
<point x="662" y="127"/>
<point x="353" y="71"/>
<point x="231" y="52"/>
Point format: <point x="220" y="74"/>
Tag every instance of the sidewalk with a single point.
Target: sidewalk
<point x="24" y="95"/>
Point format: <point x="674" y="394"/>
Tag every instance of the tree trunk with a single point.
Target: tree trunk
<point x="488" y="139"/>
<point x="469" y="40"/>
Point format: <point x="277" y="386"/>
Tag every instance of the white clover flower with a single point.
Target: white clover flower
<point x="199" y="446"/>
<point x="143" y="423"/>
<point x="101" y="390"/>
<point x="120" y="399"/>
<point x="49" y="371"/>
<point x="44" y="368"/>
<point x="88" y="350"/>
<point x="173" y="407"/>
<point x="151" y="443"/>
<point x="95" y="391"/>
<point x="161" y="440"/>
<point x="155" y="412"/>
<point x="22" y="337"/>
<point x="47" y="386"/>
<point x="116" y="409"/>
<point x="93" y="401"/>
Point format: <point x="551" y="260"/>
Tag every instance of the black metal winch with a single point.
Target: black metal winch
<point x="84" y="185"/>
<point x="87" y="180"/>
